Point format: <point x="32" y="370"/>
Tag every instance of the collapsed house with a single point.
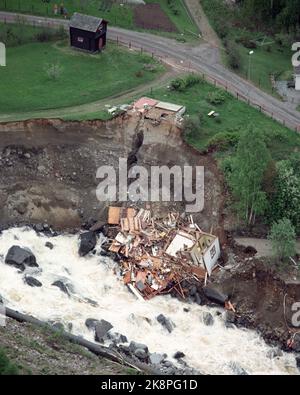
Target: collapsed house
<point x="157" y="255"/>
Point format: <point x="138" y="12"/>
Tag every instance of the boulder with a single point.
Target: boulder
<point x="141" y="354"/>
<point x="229" y="317"/>
<point x="166" y="322"/>
<point x="296" y="343"/>
<point x="49" y="245"/>
<point x="197" y="298"/>
<point x="101" y="329"/>
<point x="298" y="361"/>
<point x="117" y="338"/>
<point x="20" y="258"/>
<point x="90" y="323"/>
<point x="179" y="355"/>
<point x="207" y="318"/>
<point x="215" y="295"/>
<point x="32" y="282"/>
<point x="133" y="346"/>
<point x="156" y="359"/>
<point x="274" y="353"/>
<point x="88" y="242"/>
<point x="59" y="284"/>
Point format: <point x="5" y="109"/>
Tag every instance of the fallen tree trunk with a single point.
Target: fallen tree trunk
<point x="96" y="349"/>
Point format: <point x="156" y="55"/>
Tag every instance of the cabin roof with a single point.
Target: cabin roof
<point x="85" y="22"/>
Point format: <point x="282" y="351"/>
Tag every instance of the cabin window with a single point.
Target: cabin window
<point x="213" y="252"/>
<point x="80" y="39"/>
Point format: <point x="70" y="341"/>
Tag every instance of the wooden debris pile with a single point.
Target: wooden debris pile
<point x="155" y="253"/>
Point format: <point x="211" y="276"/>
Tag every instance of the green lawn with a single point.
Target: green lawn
<point x="84" y="78"/>
<point x="114" y="12"/>
<point x="234" y="117"/>
<point x="270" y="58"/>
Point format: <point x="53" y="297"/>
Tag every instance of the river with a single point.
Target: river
<point x="210" y="349"/>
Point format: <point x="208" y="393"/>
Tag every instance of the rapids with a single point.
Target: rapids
<point x="210" y="349"/>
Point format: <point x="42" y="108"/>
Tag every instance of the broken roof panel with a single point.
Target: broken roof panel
<point x="85" y="22"/>
<point x="114" y="214"/>
<point x="181" y="242"/>
<point x="144" y="102"/>
<point x="168" y="106"/>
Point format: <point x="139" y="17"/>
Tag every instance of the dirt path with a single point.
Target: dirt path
<point x="207" y="32"/>
<point x="262" y="246"/>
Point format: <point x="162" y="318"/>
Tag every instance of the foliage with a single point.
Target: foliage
<point x="225" y="140"/>
<point x="285" y="201"/>
<point x="216" y="97"/>
<point x="247" y="173"/>
<point x="6" y="367"/>
<point x="54" y="70"/>
<point x="283" y="238"/>
<point x="233" y="56"/>
<point x="182" y="84"/>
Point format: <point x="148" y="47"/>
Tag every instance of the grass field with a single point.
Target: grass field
<point x="82" y="78"/>
<point x="234" y="117"/>
<point x="115" y="13"/>
<point x="270" y="58"/>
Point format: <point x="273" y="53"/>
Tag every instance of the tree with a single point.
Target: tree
<point x="285" y="201"/>
<point x="247" y="175"/>
<point x="283" y="238"/>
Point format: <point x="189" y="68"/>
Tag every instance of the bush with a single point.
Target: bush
<point x="283" y="238"/>
<point x="6" y="367"/>
<point x="247" y="42"/>
<point x="181" y="84"/>
<point x="224" y="140"/>
<point x="233" y="56"/>
<point x="216" y="97"/>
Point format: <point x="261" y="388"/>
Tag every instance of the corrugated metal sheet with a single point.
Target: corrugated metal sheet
<point x="168" y="106"/>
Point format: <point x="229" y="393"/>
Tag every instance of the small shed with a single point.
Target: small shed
<point x="297" y="78"/>
<point x="88" y="32"/>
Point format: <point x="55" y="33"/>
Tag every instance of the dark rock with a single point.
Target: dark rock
<point x="179" y="355"/>
<point x="166" y="322"/>
<point x="49" y="245"/>
<point x="198" y="298"/>
<point x="141" y="354"/>
<point x="88" y="242"/>
<point x="296" y="343"/>
<point x="229" y="317"/>
<point x="168" y="364"/>
<point x="117" y="337"/>
<point x="274" y="353"/>
<point x="156" y="359"/>
<point x="186" y="310"/>
<point x="207" y="318"/>
<point x="298" y="361"/>
<point x="215" y="295"/>
<point x="137" y="346"/>
<point x="39" y="228"/>
<point x="59" y="284"/>
<point x="90" y="323"/>
<point x="193" y="290"/>
<point x="125" y="349"/>
<point x="20" y="258"/>
<point x="101" y="329"/>
<point x="32" y="282"/>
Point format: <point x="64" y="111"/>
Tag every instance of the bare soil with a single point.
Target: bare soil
<point x="48" y="169"/>
<point x="151" y="16"/>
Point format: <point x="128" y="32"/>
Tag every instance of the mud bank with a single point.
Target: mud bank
<point x="48" y="168"/>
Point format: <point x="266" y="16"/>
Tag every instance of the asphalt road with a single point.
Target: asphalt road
<point x="203" y="58"/>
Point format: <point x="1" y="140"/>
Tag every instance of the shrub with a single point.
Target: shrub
<point x="6" y="367"/>
<point x="224" y="140"/>
<point x="216" y="97"/>
<point x="233" y="56"/>
<point x="283" y="238"/>
<point x="181" y="84"/>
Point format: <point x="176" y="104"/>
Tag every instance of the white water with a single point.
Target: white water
<point x="208" y="349"/>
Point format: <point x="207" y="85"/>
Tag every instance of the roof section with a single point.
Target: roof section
<point x="85" y="22"/>
<point x="144" y="102"/>
<point x="168" y="106"/>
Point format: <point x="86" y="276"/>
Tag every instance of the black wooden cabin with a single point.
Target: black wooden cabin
<point x="88" y="32"/>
